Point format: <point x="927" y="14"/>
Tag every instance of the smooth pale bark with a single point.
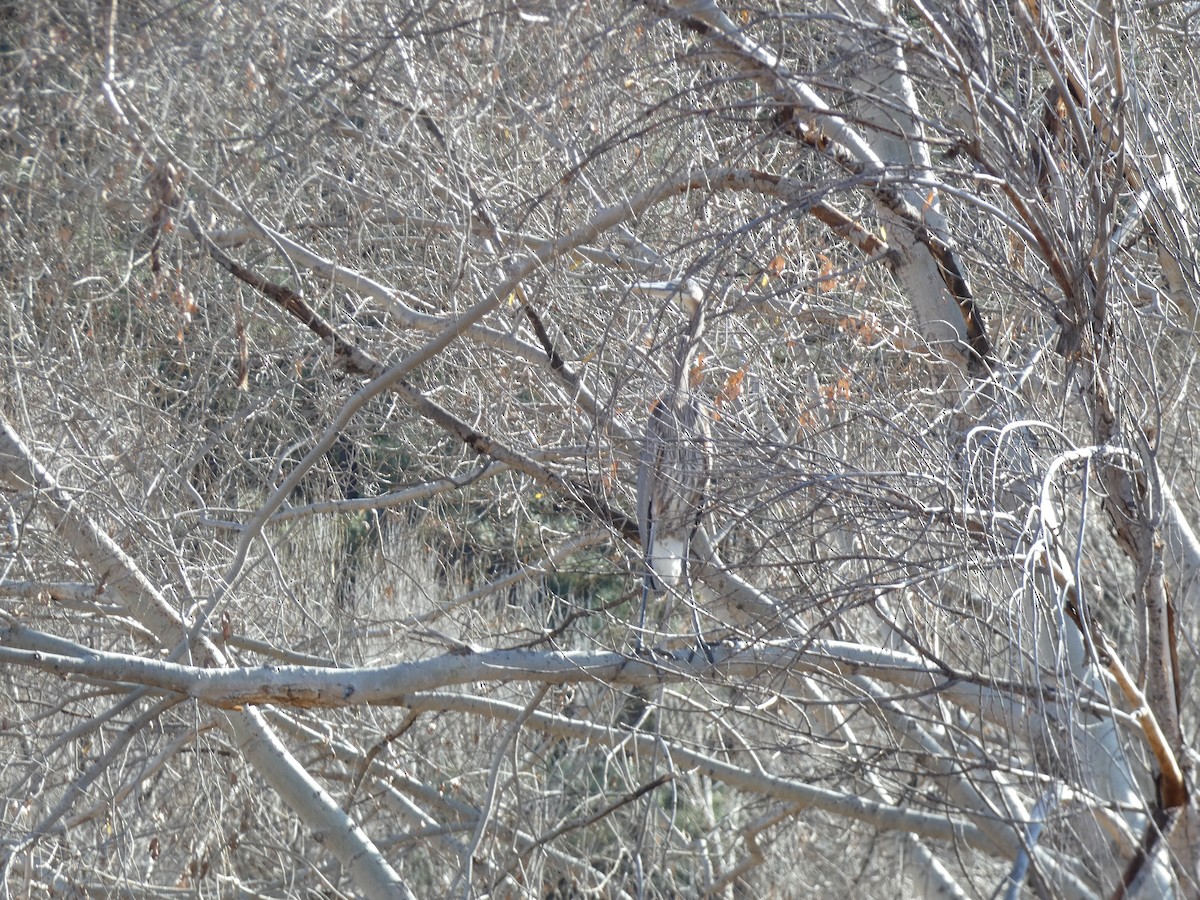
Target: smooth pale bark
<point x="889" y="181"/>
<point x="888" y="108"/>
<point x="1181" y="550"/>
<point x="321" y="686"/>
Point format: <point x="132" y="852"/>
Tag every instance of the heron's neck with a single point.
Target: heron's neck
<point x="685" y="353"/>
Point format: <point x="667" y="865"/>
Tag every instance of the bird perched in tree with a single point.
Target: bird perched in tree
<point x="675" y="463"/>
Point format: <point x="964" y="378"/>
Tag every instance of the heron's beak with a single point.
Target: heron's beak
<point x="687" y="293"/>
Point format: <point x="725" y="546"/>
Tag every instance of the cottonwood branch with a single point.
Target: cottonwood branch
<point x="309" y="686"/>
<point x="805" y="116"/>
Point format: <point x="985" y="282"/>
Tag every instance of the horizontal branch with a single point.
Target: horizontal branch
<point x="312" y="686"/>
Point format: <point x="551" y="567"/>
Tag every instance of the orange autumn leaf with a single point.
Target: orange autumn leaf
<point x="867" y="329"/>
<point x="732" y="389"/>
<point x="826" y="280"/>
<point x="838" y="390"/>
<point x="777" y="265"/>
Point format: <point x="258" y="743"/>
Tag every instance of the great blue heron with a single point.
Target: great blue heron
<point x="675" y="464"/>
